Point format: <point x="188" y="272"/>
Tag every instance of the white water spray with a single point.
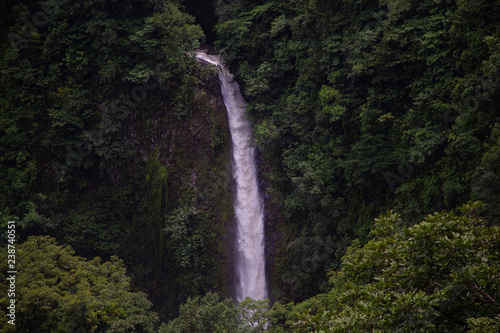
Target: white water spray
<point x="248" y="205"/>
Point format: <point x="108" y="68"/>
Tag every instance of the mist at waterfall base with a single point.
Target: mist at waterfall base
<point x="248" y="204"/>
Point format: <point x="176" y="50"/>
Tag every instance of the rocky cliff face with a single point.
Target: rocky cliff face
<point x="187" y="180"/>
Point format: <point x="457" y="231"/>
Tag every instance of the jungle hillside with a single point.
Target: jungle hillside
<point x="377" y="135"/>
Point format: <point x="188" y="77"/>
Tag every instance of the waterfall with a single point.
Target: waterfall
<point x="248" y="204"/>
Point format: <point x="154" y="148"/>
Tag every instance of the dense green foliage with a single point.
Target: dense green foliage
<point x="207" y="314"/>
<point x="362" y="106"/>
<point x="60" y="292"/>
<point x="210" y="314"/>
<point x="108" y="132"/>
<point x="440" y="275"/>
<point x="114" y="142"/>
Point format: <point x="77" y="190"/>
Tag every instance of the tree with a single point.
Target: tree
<point x="208" y="314"/>
<point x="185" y="237"/>
<point x="254" y="315"/>
<point x="440" y="275"/>
<point x="57" y="291"/>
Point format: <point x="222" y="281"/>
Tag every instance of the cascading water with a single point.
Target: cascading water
<point x="248" y="206"/>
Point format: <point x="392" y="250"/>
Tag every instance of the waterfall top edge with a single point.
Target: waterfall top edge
<point x="211" y="59"/>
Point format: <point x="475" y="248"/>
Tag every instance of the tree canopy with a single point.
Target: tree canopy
<point x="440" y="275"/>
<point x="57" y="291"/>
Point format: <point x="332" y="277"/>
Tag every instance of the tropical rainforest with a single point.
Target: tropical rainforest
<point x="378" y="138"/>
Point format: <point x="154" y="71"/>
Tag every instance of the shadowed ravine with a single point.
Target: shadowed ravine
<point x="248" y="205"/>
